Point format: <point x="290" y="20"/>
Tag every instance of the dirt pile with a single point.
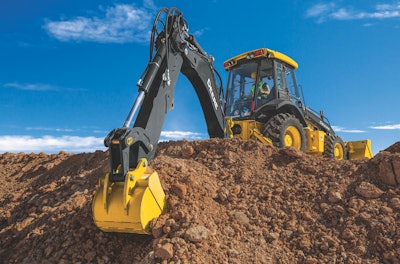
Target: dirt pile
<point x="230" y="201"/>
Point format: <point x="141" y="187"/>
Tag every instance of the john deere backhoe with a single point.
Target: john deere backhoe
<point x="262" y="102"/>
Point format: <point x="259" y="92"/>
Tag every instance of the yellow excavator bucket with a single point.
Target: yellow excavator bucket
<point x="359" y="149"/>
<point x="129" y="206"/>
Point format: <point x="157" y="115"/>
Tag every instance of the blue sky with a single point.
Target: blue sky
<point x="68" y="68"/>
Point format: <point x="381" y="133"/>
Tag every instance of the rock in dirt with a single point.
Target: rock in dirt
<point x="165" y="251"/>
<point x="368" y="190"/>
<point x="197" y="234"/>
<point x="387" y="165"/>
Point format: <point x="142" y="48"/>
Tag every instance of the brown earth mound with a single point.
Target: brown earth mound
<point x="230" y="201"/>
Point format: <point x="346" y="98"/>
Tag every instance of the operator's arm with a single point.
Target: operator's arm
<point x="265" y="89"/>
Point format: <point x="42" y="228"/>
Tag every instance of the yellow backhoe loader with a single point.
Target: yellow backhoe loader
<point x="262" y="102"/>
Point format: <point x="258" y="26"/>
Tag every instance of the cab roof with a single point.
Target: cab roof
<point x="262" y="52"/>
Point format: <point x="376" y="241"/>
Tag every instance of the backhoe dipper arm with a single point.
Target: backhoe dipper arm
<point x="176" y="51"/>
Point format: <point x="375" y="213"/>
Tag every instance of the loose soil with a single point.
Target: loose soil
<point x="230" y="201"/>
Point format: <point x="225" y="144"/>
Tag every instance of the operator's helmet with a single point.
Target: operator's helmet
<point x="253" y="75"/>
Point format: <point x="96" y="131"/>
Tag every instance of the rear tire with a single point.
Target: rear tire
<point x="334" y="148"/>
<point x="285" y="130"/>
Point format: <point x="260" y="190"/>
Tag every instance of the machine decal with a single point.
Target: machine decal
<point x="210" y="89"/>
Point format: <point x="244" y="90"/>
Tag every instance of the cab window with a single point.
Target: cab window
<point x="280" y="76"/>
<point x="265" y="87"/>
<point x="292" y="85"/>
<point x="240" y="83"/>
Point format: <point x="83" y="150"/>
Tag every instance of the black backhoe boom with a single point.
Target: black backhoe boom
<point x="176" y="52"/>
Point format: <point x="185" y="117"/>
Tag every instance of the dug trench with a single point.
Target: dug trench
<point x="230" y="201"/>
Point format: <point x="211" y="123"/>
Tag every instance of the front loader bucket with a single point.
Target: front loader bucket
<point x="129" y="206"/>
<point x="359" y="149"/>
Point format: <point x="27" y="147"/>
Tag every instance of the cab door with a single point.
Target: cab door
<point x="287" y="84"/>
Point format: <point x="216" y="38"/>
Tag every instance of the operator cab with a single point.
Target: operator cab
<point x="257" y="79"/>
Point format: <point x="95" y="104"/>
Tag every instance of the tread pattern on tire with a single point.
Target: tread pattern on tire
<point x="329" y="146"/>
<point x="276" y="125"/>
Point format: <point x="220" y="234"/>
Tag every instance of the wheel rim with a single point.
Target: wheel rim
<point x="292" y="137"/>
<point x="338" y="151"/>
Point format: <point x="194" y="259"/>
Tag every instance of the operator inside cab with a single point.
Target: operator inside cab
<point x="263" y="88"/>
<point x="247" y="92"/>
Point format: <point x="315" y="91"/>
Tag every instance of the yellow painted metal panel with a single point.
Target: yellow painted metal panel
<point x="315" y="142"/>
<point x="129" y="206"/>
<point x="359" y="149"/>
<point x="262" y="52"/>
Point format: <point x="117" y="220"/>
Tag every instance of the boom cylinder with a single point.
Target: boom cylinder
<point x="151" y="71"/>
<point x="138" y="102"/>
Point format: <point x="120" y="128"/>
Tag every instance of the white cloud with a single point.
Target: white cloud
<point x="118" y="24"/>
<point x="38" y="87"/>
<point x="32" y="86"/>
<point x="50" y="129"/>
<point x="97" y="131"/>
<point x="343" y="14"/>
<point x="320" y="10"/>
<point x="179" y="135"/>
<point x="387" y="127"/>
<point x="149" y="4"/>
<point x="50" y="144"/>
<point x="368" y="24"/>
<point x="345" y="130"/>
<point x="200" y="32"/>
<point x="325" y="11"/>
